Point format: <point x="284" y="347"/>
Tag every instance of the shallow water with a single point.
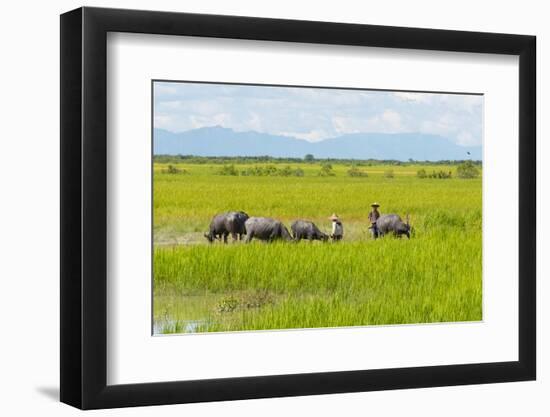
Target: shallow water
<point x="175" y="326"/>
<point x="182" y="314"/>
<point x="199" y="313"/>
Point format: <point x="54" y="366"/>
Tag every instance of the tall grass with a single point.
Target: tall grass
<point x="433" y="277"/>
<point x="184" y="204"/>
<point x="429" y="279"/>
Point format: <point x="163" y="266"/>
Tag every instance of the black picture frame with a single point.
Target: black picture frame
<point x="84" y="207"/>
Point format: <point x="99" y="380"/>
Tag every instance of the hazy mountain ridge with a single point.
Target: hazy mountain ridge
<point x="219" y="141"/>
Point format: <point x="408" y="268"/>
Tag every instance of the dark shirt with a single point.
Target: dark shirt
<point x="374" y="215"/>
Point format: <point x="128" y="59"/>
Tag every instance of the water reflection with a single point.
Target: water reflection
<point x="180" y="326"/>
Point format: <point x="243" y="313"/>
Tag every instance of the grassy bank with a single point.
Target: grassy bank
<point x="432" y="278"/>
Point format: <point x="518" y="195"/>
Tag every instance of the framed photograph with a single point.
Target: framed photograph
<point x="259" y="208"/>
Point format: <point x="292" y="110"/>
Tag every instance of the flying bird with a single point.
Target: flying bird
<point x="468" y="153"/>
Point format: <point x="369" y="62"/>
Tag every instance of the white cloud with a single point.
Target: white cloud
<point x="162" y="121"/>
<point x="254" y="122"/>
<point x="220" y="119"/>
<point x="466" y="139"/>
<point x="165" y="89"/>
<point x="414" y="97"/>
<point x="461" y="103"/>
<point x="343" y="125"/>
<point x="389" y="121"/>
<point x="312" y="136"/>
<point x="317" y="114"/>
<point x="392" y="119"/>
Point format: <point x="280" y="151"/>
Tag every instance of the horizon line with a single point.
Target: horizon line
<point x="316" y="141"/>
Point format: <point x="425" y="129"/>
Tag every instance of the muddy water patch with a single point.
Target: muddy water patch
<point x="180" y="326"/>
<point x="175" y="313"/>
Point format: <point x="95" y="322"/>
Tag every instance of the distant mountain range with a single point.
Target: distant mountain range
<point x="220" y="141"/>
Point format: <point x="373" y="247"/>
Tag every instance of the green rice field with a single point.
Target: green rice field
<point x="436" y="276"/>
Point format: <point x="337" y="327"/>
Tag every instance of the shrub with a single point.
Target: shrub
<point x="467" y="170"/>
<point x="285" y="172"/>
<point x="255" y="171"/>
<point x="289" y="172"/>
<point x="356" y="172"/>
<point x="434" y="174"/>
<point x="228" y="170"/>
<point x="271" y="171"/>
<point x="171" y="169"/>
<point x="298" y="172"/>
<point x="442" y="174"/>
<point x="326" y="170"/>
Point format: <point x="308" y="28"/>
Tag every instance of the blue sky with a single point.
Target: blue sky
<point x="316" y="114"/>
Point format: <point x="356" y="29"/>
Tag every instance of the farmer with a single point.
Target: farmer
<point x="373" y="216"/>
<point x="337" y="228"/>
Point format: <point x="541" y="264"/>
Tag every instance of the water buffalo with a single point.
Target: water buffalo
<point x="238" y="219"/>
<point x="392" y="223"/>
<point x="304" y="229"/>
<point x="225" y="224"/>
<point x="266" y="229"/>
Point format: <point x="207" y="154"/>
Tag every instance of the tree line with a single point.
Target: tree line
<point x="224" y="160"/>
